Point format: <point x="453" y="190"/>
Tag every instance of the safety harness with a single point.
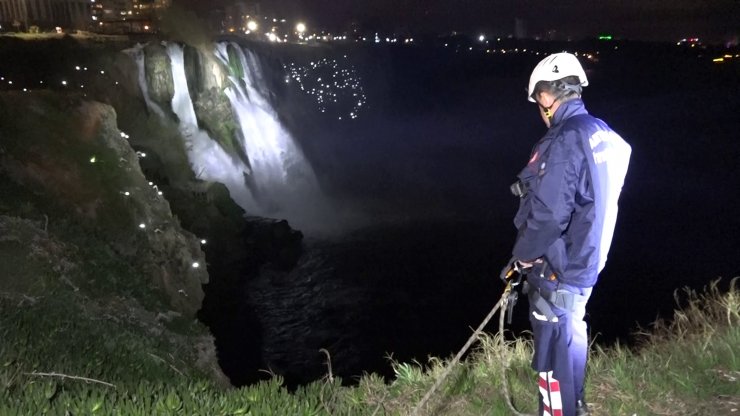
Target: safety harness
<point x="542" y="298"/>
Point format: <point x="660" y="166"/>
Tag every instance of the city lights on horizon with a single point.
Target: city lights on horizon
<point x="256" y="19"/>
<point x="299" y="32"/>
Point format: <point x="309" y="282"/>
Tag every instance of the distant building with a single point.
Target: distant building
<point x="520" y="28"/>
<point x="21" y="15"/>
<point x="127" y="16"/>
<point x="238" y="14"/>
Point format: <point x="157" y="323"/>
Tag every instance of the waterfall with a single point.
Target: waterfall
<point x="277" y="180"/>
<point x="208" y="160"/>
<point x="182" y="104"/>
<point x="281" y="175"/>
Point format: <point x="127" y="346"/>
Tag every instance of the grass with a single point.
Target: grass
<point x="53" y="343"/>
<point x="689" y="366"/>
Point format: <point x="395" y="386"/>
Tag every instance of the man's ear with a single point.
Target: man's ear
<point x="544" y="99"/>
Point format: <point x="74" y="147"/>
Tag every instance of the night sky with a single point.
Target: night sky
<point x="669" y="20"/>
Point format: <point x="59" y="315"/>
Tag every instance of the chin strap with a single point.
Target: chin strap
<point x="563" y="91"/>
<point x="548" y="110"/>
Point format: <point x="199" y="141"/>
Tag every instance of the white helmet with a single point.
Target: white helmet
<point x="555" y="67"/>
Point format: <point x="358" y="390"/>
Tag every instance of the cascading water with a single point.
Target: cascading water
<point x="277" y="181"/>
<point x="280" y="174"/>
<point x="208" y="160"/>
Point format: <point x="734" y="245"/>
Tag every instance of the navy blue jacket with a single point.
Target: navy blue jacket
<point x="573" y="180"/>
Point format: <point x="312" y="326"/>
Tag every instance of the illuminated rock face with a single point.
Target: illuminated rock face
<point x="70" y="152"/>
<point x="158" y="74"/>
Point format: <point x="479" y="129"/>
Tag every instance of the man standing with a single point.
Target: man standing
<point x="568" y="209"/>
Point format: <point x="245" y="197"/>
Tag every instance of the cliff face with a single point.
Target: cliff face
<point x="90" y="250"/>
<point x="100" y="209"/>
<point x="158" y="74"/>
<point x="71" y="155"/>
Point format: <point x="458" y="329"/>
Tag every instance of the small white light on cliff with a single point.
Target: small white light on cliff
<point x="64" y="83"/>
<point x="77" y="67"/>
<point x="203" y="241"/>
<point x="102" y="72"/>
<point x="142" y="225"/>
<point x="151" y="183"/>
<point x="159" y="193"/>
<point x="127" y="193"/>
<point x="196" y="265"/>
<point x="92" y="159"/>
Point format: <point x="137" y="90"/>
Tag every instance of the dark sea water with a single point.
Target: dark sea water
<point x="427" y="169"/>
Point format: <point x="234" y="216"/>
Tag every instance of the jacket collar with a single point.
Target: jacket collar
<point x="567" y="110"/>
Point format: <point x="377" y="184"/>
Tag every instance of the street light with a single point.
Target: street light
<point x="300" y="28"/>
<point x="252" y="25"/>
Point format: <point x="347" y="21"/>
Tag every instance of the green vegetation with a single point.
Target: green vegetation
<point x="235" y="65"/>
<point x="64" y="353"/>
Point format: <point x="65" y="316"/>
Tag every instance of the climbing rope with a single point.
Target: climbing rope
<point x="501" y="304"/>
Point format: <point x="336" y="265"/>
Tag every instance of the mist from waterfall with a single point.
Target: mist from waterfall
<point x="277" y="181"/>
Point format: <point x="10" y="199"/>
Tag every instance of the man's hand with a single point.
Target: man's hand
<point x="513" y="271"/>
<point x="516" y="268"/>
